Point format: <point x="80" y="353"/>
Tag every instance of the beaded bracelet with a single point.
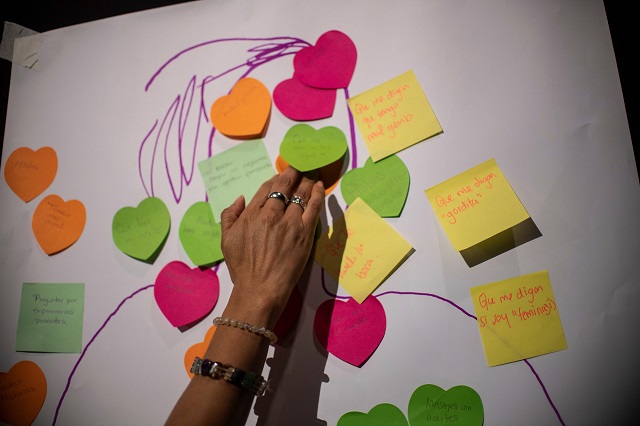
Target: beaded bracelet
<point x="237" y="377"/>
<point x="260" y="331"/>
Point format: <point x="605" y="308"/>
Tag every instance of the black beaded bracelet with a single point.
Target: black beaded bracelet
<point x="237" y="377"/>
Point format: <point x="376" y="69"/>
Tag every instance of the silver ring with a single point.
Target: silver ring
<point x="280" y="196"/>
<point x="299" y="201"/>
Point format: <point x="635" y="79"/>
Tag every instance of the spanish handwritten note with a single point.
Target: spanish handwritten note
<point x="50" y="318"/>
<point x="518" y="318"/>
<point x="28" y="173"/>
<point x="476" y="204"/>
<point x="237" y="171"/>
<point x="57" y="224"/>
<point x="394" y="115"/>
<point x="361" y="250"/>
<point x="23" y="390"/>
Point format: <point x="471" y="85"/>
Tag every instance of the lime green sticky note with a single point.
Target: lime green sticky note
<point x="140" y="232"/>
<point x="306" y="148"/>
<point x="200" y="235"/>
<point x="476" y="205"/>
<point x="383" y="185"/>
<point x="430" y="405"/>
<point x="237" y="171"/>
<point x="518" y="318"/>
<point x="361" y="250"/>
<point x="394" y="115"/>
<point x="381" y="415"/>
<point x="50" y="318"/>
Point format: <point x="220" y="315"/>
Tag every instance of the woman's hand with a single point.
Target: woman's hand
<point x="266" y="244"/>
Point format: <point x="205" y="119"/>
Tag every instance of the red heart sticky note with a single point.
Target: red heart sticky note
<point x="198" y="350"/>
<point x="329" y="64"/>
<point x="24" y="389"/>
<point x="185" y="295"/>
<point x="350" y="331"/>
<point x="301" y="102"/>
<point x="58" y="224"/>
<point x="29" y="173"/>
<point x="244" y="112"/>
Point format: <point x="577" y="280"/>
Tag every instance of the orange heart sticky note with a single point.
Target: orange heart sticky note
<point x="57" y="224"/>
<point x="198" y="350"/>
<point x="28" y="173"/>
<point x="23" y="391"/>
<point x="244" y="112"/>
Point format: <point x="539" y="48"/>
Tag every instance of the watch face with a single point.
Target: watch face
<point x="206" y="367"/>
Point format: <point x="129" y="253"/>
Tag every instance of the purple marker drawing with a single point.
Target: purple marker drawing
<point x="188" y="111"/>
<point x="461" y="309"/>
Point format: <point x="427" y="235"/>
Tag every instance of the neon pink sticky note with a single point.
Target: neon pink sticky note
<point x="301" y="102"/>
<point x="329" y="64"/>
<point x="186" y="295"/>
<point x="351" y="331"/>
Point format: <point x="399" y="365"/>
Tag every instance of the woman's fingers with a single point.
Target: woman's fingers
<point x="261" y="194"/>
<point x="300" y="197"/>
<point x="229" y="215"/>
<point x="281" y="190"/>
<point x="314" y="206"/>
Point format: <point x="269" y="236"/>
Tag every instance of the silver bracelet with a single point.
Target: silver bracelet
<point x="260" y="331"/>
<point x="237" y="377"/>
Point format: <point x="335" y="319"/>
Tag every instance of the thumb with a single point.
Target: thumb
<point x="229" y="215"/>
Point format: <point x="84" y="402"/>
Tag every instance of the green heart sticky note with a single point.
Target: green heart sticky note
<point x="141" y="232"/>
<point x="380" y="415"/>
<point x="306" y="148"/>
<point x="383" y="185"/>
<point x="200" y="235"/>
<point x="431" y="405"/>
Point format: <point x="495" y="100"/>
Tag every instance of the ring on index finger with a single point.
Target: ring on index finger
<point x="280" y="196"/>
<point x="299" y="201"/>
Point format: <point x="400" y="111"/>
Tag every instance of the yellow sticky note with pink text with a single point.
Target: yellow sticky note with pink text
<point x="518" y="318"/>
<point x="476" y="205"/>
<point x="361" y="250"/>
<point x="393" y="116"/>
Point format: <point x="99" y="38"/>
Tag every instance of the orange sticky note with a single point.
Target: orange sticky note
<point x="518" y="318"/>
<point x="244" y="112"/>
<point x="28" y="173"/>
<point x="23" y="391"/>
<point x="58" y="224"/>
<point x="198" y="350"/>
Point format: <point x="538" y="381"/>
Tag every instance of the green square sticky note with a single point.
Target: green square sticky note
<point x="50" y="318"/>
<point x="237" y="171"/>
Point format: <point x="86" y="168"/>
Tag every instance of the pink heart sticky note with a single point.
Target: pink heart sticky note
<point x="350" y="331"/>
<point x="329" y="64"/>
<point x="185" y="295"/>
<point x="301" y="102"/>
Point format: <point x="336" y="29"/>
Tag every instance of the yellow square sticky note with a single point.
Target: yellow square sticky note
<point x="476" y="205"/>
<point x="518" y="318"/>
<point x="393" y="116"/>
<point x="360" y="250"/>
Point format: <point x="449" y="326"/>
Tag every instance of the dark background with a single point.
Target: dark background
<point x="43" y="15"/>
